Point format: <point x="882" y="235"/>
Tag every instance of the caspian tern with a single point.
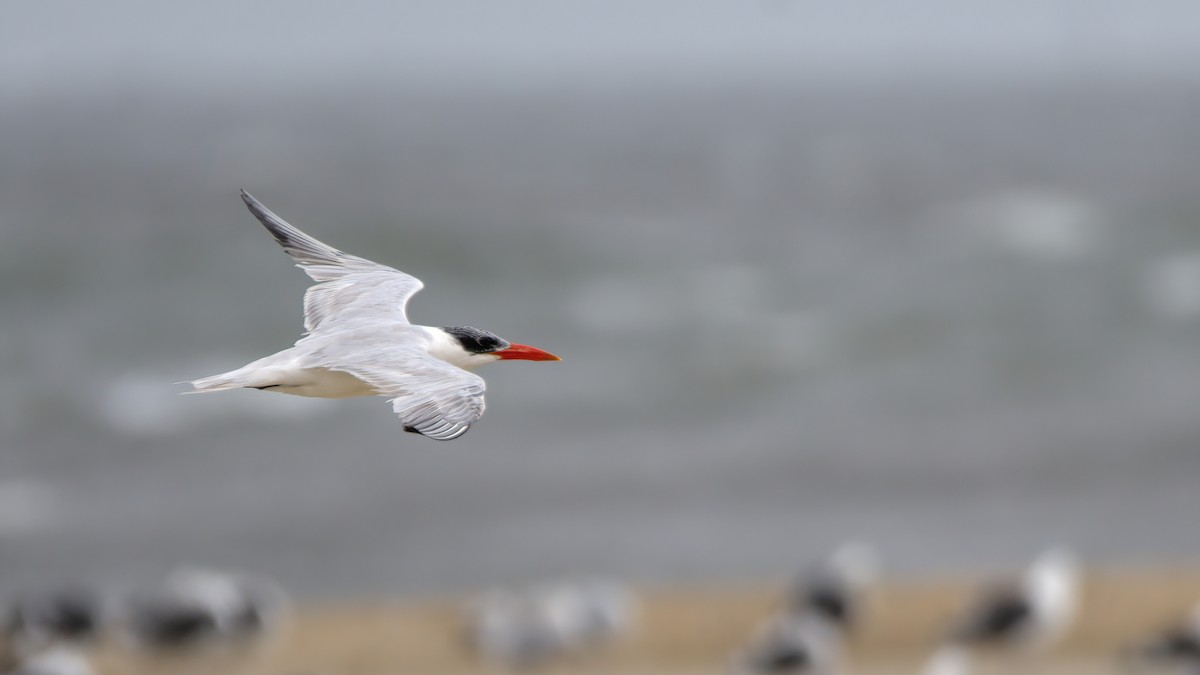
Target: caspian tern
<point x="359" y="342"/>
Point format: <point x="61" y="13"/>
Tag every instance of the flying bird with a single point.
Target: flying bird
<point x="359" y="342"/>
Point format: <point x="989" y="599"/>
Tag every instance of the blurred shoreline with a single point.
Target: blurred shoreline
<point x="694" y="629"/>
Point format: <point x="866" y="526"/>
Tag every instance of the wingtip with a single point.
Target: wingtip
<point x="260" y="211"/>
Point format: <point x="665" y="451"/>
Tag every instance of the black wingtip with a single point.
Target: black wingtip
<point x="262" y="213"/>
<point x="414" y="430"/>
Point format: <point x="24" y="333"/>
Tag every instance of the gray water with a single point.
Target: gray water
<point x="958" y="319"/>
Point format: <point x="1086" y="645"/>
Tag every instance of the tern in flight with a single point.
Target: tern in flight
<point x="359" y="343"/>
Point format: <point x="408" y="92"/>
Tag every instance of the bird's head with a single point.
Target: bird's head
<point x="471" y="347"/>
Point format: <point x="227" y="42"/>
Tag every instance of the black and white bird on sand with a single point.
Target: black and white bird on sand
<point x="66" y="616"/>
<point x="835" y="587"/>
<point x="792" y="644"/>
<point x="359" y="342"/>
<point x="826" y="603"/>
<point x="1023" y="616"/>
<point x="196" y="608"/>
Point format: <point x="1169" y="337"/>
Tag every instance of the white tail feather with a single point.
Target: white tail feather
<point x="216" y="383"/>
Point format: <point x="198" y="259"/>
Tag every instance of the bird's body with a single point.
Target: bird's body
<point x="791" y="643"/>
<point x="1004" y="615"/>
<point x="360" y="343"/>
<point x="835" y="588"/>
<point x="1029" y="613"/>
<point x="201" y="608"/>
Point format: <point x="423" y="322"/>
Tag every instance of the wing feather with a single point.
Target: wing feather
<point x="348" y="286"/>
<point x="431" y="397"/>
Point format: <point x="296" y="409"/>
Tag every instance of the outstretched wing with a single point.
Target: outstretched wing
<point x="431" y="397"/>
<point x="349" y="287"/>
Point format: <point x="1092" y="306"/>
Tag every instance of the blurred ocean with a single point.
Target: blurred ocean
<point x="955" y="318"/>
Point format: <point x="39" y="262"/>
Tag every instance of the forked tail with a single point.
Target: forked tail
<point x="216" y="383"/>
<point x="248" y="376"/>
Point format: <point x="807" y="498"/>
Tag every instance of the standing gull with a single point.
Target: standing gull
<point x="197" y="608"/>
<point x="359" y="342"/>
<point x="807" y="635"/>
<point x="1025" y="615"/>
<point x="835" y="588"/>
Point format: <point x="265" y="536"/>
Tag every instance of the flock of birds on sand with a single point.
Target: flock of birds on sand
<point x="535" y="626"/>
<point x="197" y="612"/>
<point x="192" y="611"/>
<point x="1020" y="617"/>
<point x="1025" y="614"/>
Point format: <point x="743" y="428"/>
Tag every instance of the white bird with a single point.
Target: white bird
<point x="610" y="609"/>
<point x="520" y="630"/>
<point x="1026" y="615"/>
<point x="533" y="626"/>
<point x="359" y="342"/>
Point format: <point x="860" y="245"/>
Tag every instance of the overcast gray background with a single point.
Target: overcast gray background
<point x="924" y="273"/>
